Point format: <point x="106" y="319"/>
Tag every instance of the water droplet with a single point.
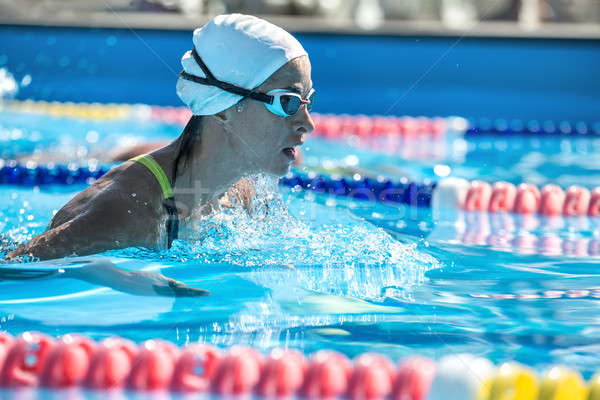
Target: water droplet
<point x="26" y="80"/>
<point x="92" y="137"/>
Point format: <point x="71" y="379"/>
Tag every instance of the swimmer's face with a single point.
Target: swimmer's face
<point x="264" y="136"/>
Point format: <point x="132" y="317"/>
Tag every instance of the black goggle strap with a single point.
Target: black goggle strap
<point x="172" y="220"/>
<point x="210" y="80"/>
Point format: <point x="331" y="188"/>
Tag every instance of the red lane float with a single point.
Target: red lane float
<point x="68" y="362"/>
<point x="195" y="369"/>
<point x="371" y="378"/>
<point x="363" y="126"/>
<point x="6" y="341"/>
<point x="333" y="126"/>
<point x="25" y="360"/>
<point x="111" y="364"/>
<point x="527" y="199"/>
<point x="153" y="367"/>
<point x="34" y="359"/>
<point x="502" y="197"/>
<point x="478" y="196"/>
<point x="238" y="372"/>
<point x="438" y="126"/>
<point x="282" y="374"/>
<point x="326" y="376"/>
<point x="409" y="127"/>
<point x="594" y="207"/>
<point x="577" y="200"/>
<point x="551" y="200"/>
<point x="413" y="379"/>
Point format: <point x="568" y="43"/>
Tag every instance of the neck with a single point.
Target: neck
<point x="212" y="168"/>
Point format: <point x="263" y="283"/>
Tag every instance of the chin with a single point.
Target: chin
<point x="278" y="169"/>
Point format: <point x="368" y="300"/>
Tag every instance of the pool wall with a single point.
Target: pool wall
<point x="528" y="78"/>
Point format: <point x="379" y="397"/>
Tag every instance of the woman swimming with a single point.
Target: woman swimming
<point x="248" y="84"/>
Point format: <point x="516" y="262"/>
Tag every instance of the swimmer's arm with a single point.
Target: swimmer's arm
<point x="141" y="283"/>
<point x="105" y="273"/>
<point x="62" y="241"/>
<point x="106" y="225"/>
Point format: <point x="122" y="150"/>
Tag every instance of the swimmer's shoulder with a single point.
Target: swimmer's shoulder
<point x="118" y="193"/>
<point x="128" y="189"/>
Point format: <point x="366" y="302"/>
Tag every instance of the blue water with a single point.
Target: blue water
<point x="323" y="272"/>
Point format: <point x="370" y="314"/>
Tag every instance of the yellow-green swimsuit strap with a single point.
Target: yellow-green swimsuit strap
<point x="158" y="172"/>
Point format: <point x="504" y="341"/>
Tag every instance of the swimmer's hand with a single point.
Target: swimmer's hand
<point x="179" y="289"/>
<point x="141" y="283"/>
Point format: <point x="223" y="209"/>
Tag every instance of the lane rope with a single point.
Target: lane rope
<point x="34" y="359"/>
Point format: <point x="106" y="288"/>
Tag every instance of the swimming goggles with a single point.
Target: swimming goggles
<point x="280" y="102"/>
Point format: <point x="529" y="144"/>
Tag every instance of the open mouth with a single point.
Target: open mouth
<point x="290" y="152"/>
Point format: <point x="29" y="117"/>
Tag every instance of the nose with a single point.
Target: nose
<point x="303" y="123"/>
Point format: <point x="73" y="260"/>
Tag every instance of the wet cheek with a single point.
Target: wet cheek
<point x="275" y="134"/>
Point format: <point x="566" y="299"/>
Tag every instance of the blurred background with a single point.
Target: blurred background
<point x="360" y="14"/>
<point x="492" y="59"/>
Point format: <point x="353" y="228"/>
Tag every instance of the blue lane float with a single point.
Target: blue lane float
<point x="15" y="173"/>
<point x="454" y="193"/>
<point x="532" y="127"/>
<point x="402" y="191"/>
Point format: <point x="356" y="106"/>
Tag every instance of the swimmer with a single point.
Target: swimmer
<point x="248" y="84"/>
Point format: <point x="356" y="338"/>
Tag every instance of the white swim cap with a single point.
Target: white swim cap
<point x="241" y="50"/>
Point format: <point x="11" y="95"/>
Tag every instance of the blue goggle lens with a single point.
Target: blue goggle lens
<point x="291" y="104"/>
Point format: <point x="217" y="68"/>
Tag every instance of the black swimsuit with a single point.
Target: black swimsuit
<point x="169" y="197"/>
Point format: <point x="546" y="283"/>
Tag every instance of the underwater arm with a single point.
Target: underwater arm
<point x="104" y="273"/>
<point x="141" y="283"/>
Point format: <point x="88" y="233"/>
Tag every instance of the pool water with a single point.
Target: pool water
<point x="319" y="271"/>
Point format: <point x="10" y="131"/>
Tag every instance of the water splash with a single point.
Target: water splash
<point x="267" y="233"/>
<point x="353" y="257"/>
<point x="8" y="84"/>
